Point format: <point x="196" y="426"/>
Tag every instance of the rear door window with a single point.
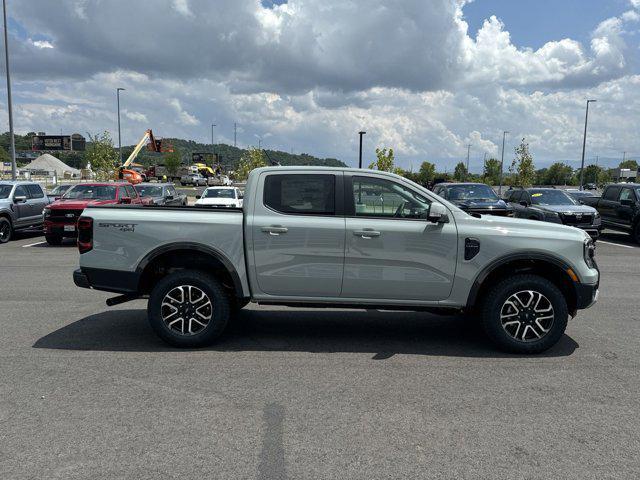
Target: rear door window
<point x="35" y="191"/>
<point x="21" y="191"/>
<point x="301" y="194"/>
<point x="611" y="193"/>
<point x="627" y="194"/>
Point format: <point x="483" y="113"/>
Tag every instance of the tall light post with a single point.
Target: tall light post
<point x="504" y="135"/>
<point x="360" y="151"/>
<point x="119" y="133"/>
<point x="468" y="152"/>
<point x="584" y="144"/>
<point x="213" y="149"/>
<point x="12" y="143"/>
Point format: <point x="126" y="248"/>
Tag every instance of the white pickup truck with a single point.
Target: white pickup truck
<point x="347" y="238"/>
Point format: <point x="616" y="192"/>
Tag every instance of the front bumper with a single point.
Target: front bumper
<point x="586" y="295"/>
<point x="60" y="229"/>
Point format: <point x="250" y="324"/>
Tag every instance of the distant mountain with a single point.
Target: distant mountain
<point x="230" y="155"/>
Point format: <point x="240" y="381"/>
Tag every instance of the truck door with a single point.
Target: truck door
<point x="23" y="209"/>
<point x="625" y="209"/>
<point x="297" y="232"/>
<point x="608" y="203"/>
<point x="392" y="251"/>
<point x="37" y="202"/>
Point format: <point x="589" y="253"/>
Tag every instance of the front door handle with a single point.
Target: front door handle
<point x="275" y="230"/>
<point x="368" y="234"/>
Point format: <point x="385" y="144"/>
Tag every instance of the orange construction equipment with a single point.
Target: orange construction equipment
<point x="154" y="145"/>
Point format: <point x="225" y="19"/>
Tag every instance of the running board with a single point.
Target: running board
<point x="121" y="299"/>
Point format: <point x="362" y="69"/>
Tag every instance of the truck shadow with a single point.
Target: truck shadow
<point x="383" y="334"/>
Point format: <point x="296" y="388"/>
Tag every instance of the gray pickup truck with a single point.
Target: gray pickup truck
<point x="21" y="206"/>
<point x="339" y="238"/>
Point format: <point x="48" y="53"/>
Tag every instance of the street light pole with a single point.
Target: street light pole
<point x="584" y="144"/>
<point x="119" y="134"/>
<point x="360" y="151"/>
<point x="504" y="134"/>
<point x="12" y="143"/>
<point x="468" y="152"/>
<point x="213" y="149"/>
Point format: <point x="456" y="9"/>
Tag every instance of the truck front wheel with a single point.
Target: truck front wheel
<point x="6" y="230"/>
<point x="188" y="309"/>
<point x="525" y="314"/>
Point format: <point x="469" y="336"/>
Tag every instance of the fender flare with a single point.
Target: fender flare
<point x="497" y="263"/>
<point x="199" y="247"/>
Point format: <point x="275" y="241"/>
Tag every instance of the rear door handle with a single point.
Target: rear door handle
<point x="275" y="230"/>
<point x="366" y="233"/>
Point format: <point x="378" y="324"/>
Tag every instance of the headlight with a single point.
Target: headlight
<point x="46" y="212"/>
<point x="589" y="253"/>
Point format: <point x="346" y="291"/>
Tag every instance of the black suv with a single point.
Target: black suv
<point x="551" y="205"/>
<point x="473" y="198"/>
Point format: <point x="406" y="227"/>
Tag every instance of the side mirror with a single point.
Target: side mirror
<point x="437" y="213"/>
<point x="169" y="197"/>
<point x="524" y="204"/>
<point x="19" y="199"/>
<point x="581" y="202"/>
<point x="125" y="200"/>
<point x="198" y="197"/>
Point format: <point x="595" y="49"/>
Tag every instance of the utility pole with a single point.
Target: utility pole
<point x="584" y="144"/>
<point x="468" y="151"/>
<point x="119" y="135"/>
<point x="12" y="143"/>
<point x="504" y="134"/>
<point x="596" y="179"/>
<point x="360" y="151"/>
<point x="624" y="156"/>
<point x="213" y="149"/>
<point x="235" y="134"/>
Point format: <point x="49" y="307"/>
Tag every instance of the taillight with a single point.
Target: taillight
<point x="85" y="234"/>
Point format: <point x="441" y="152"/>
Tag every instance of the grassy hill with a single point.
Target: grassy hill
<point x="230" y="156"/>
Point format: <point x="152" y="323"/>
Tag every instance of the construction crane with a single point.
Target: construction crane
<point x="154" y="145"/>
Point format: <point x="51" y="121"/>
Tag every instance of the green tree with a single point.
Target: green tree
<point x="384" y="160"/>
<point x="631" y="164"/>
<point x="4" y="156"/>
<point x="522" y="169"/>
<point x="101" y="155"/>
<point x="172" y="161"/>
<point x="491" y="171"/>
<point x="252" y="159"/>
<point x="460" y="172"/>
<point x="595" y="174"/>
<point x="558" y="174"/>
<point x="427" y="173"/>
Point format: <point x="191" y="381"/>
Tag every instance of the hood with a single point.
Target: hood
<point x="79" y="204"/>
<point x="568" y="208"/>
<point x="484" y="204"/>
<point x="217" y="201"/>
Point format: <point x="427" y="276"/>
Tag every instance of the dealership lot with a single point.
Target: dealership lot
<point x="89" y="391"/>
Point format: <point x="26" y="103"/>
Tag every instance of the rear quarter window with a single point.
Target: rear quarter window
<point x="35" y="191"/>
<point x="611" y="193"/>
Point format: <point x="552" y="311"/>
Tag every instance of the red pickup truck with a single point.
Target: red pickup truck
<point x="61" y="216"/>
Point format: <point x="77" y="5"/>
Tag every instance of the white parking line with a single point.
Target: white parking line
<point x="33" y="244"/>
<point x="616" y="244"/>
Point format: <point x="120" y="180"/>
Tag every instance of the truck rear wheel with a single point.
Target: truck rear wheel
<point x="188" y="309"/>
<point x="525" y="314"/>
<point x="636" y="232"/>
<point x="6" y="230"/>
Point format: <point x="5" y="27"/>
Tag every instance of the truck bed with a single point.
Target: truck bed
<point x="124" y="237"/>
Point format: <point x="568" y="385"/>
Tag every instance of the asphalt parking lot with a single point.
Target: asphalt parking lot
<point x="88" y="391"/>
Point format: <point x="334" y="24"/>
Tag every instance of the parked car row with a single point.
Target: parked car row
<point x="199" y="180"/>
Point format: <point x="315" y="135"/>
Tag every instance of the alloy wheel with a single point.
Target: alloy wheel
<point x="186" y="310"/>
<point x="5" y="231"/>
<point x="527" y="315"/>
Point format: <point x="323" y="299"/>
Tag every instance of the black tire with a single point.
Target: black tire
<point x="219" y="312"/>
<point x="6" y="230"/>
<point x="53" y="239"/>
<point x="495" y="305"/>
<point x="636" y="232"/>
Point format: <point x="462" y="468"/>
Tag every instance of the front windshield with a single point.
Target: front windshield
<point x="550" y="197"/>
<point x="219" y="193"/>
<point x="91" y="192"/>
<point x="5" y="191"/>
<point x="60" y="189"/>
<point x="471" y="192"/>
<point x="149" y="191"/>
